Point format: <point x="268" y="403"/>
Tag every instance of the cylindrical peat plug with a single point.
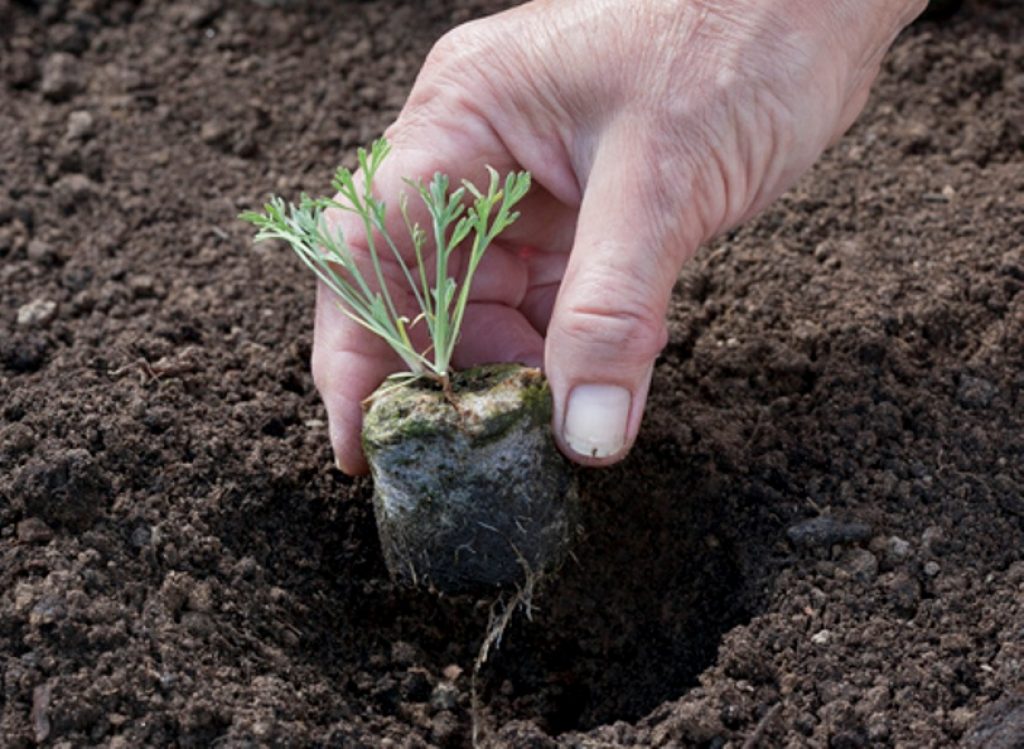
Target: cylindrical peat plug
<point x="470" y="491"/>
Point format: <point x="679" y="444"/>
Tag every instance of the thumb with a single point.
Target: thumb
<point x="608" y="323"/>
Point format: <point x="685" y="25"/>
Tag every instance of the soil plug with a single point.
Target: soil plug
<point x="470" y="490"/>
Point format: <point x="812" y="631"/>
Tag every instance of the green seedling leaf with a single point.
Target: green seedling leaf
<point x="367" y="299"/>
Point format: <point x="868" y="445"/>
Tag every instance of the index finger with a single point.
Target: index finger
<point x="349" y="362"/>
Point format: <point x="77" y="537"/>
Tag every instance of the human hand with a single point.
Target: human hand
<point x="649" y="127"/>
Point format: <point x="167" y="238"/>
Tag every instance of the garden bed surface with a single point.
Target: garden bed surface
<point x="816" y="542"/>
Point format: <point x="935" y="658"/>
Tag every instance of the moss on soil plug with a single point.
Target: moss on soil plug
<point x="470" y="491"/>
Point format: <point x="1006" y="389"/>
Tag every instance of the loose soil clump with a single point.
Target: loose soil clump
<point x="816" y="542"/>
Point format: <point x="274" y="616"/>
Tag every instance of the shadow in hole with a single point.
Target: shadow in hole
<point x="314" y="537"/>
<point x="627" y="625"/>
<point x="639" y="614"/>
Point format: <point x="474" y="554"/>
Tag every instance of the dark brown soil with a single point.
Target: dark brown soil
<point x="817" y="542"/>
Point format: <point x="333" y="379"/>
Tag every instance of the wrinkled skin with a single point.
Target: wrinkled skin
<point x="650" y="127"/>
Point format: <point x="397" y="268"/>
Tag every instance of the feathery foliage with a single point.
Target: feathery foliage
<point x="363" y="292"/>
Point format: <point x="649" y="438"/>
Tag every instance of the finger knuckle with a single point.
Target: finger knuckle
<point x="610" y="317"/>
<point x="453" y="49"/>
<point x="452" y="86"/>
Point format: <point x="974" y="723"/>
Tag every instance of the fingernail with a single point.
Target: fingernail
<point x="596" y="418"/>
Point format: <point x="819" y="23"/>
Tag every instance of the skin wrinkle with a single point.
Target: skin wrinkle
<point x="656" y="213"/>
<point x="443" y="106"/>
<point x="581" y="143"/>
<point x="661" y="88"/>
<point x="453" y="58"/>
<point x="717" y="168"/>
<point x="676" y="26"/>
<point x="763" y="178"/>
<point x="688" y="146"/>
<point x="564" y="39"/>
<point x="585" y="16"/>
<point x="539" y="59"/>
<point x="787" y="45"/>
<point x="770" y="168"/>
<point x="690" y="125"/>
<point x="770" y="177"/>
<point x="863" y="60"/>
<point x="520" y="85"/>
<point x="645" y="56"/>
<point x="631" y="323"/>
<point x="672" y="226"/>
<point x="458" y="123"/>
<point x="632" y="334"/>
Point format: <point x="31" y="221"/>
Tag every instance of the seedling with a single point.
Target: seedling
<point x="470" y="491"/>
<point x="440" y="297"/>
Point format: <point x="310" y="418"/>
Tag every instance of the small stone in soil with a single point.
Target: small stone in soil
<point x="40" y="252"/>
<point x="934" y="540"/>
<point x="81" y="125"/>
<point x="74" y="189"/>
<point x="896" y="550"/>
<point x="61" y="78"/>
<point x="452" y="672"/>
<point x="827" y="531"/>
<point x="861" y="565"/>
<point x="960" y="718"/>
<point x="49" y="610"/>
<point x="975" y="392"/>
<point x="215" y="132"/>
<point x="37" y="314"/>
<point x="142" y="286"/>
<point x="140" y="536"/>
<point x="34" y="531"/>
<point x="41" y="696"/>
